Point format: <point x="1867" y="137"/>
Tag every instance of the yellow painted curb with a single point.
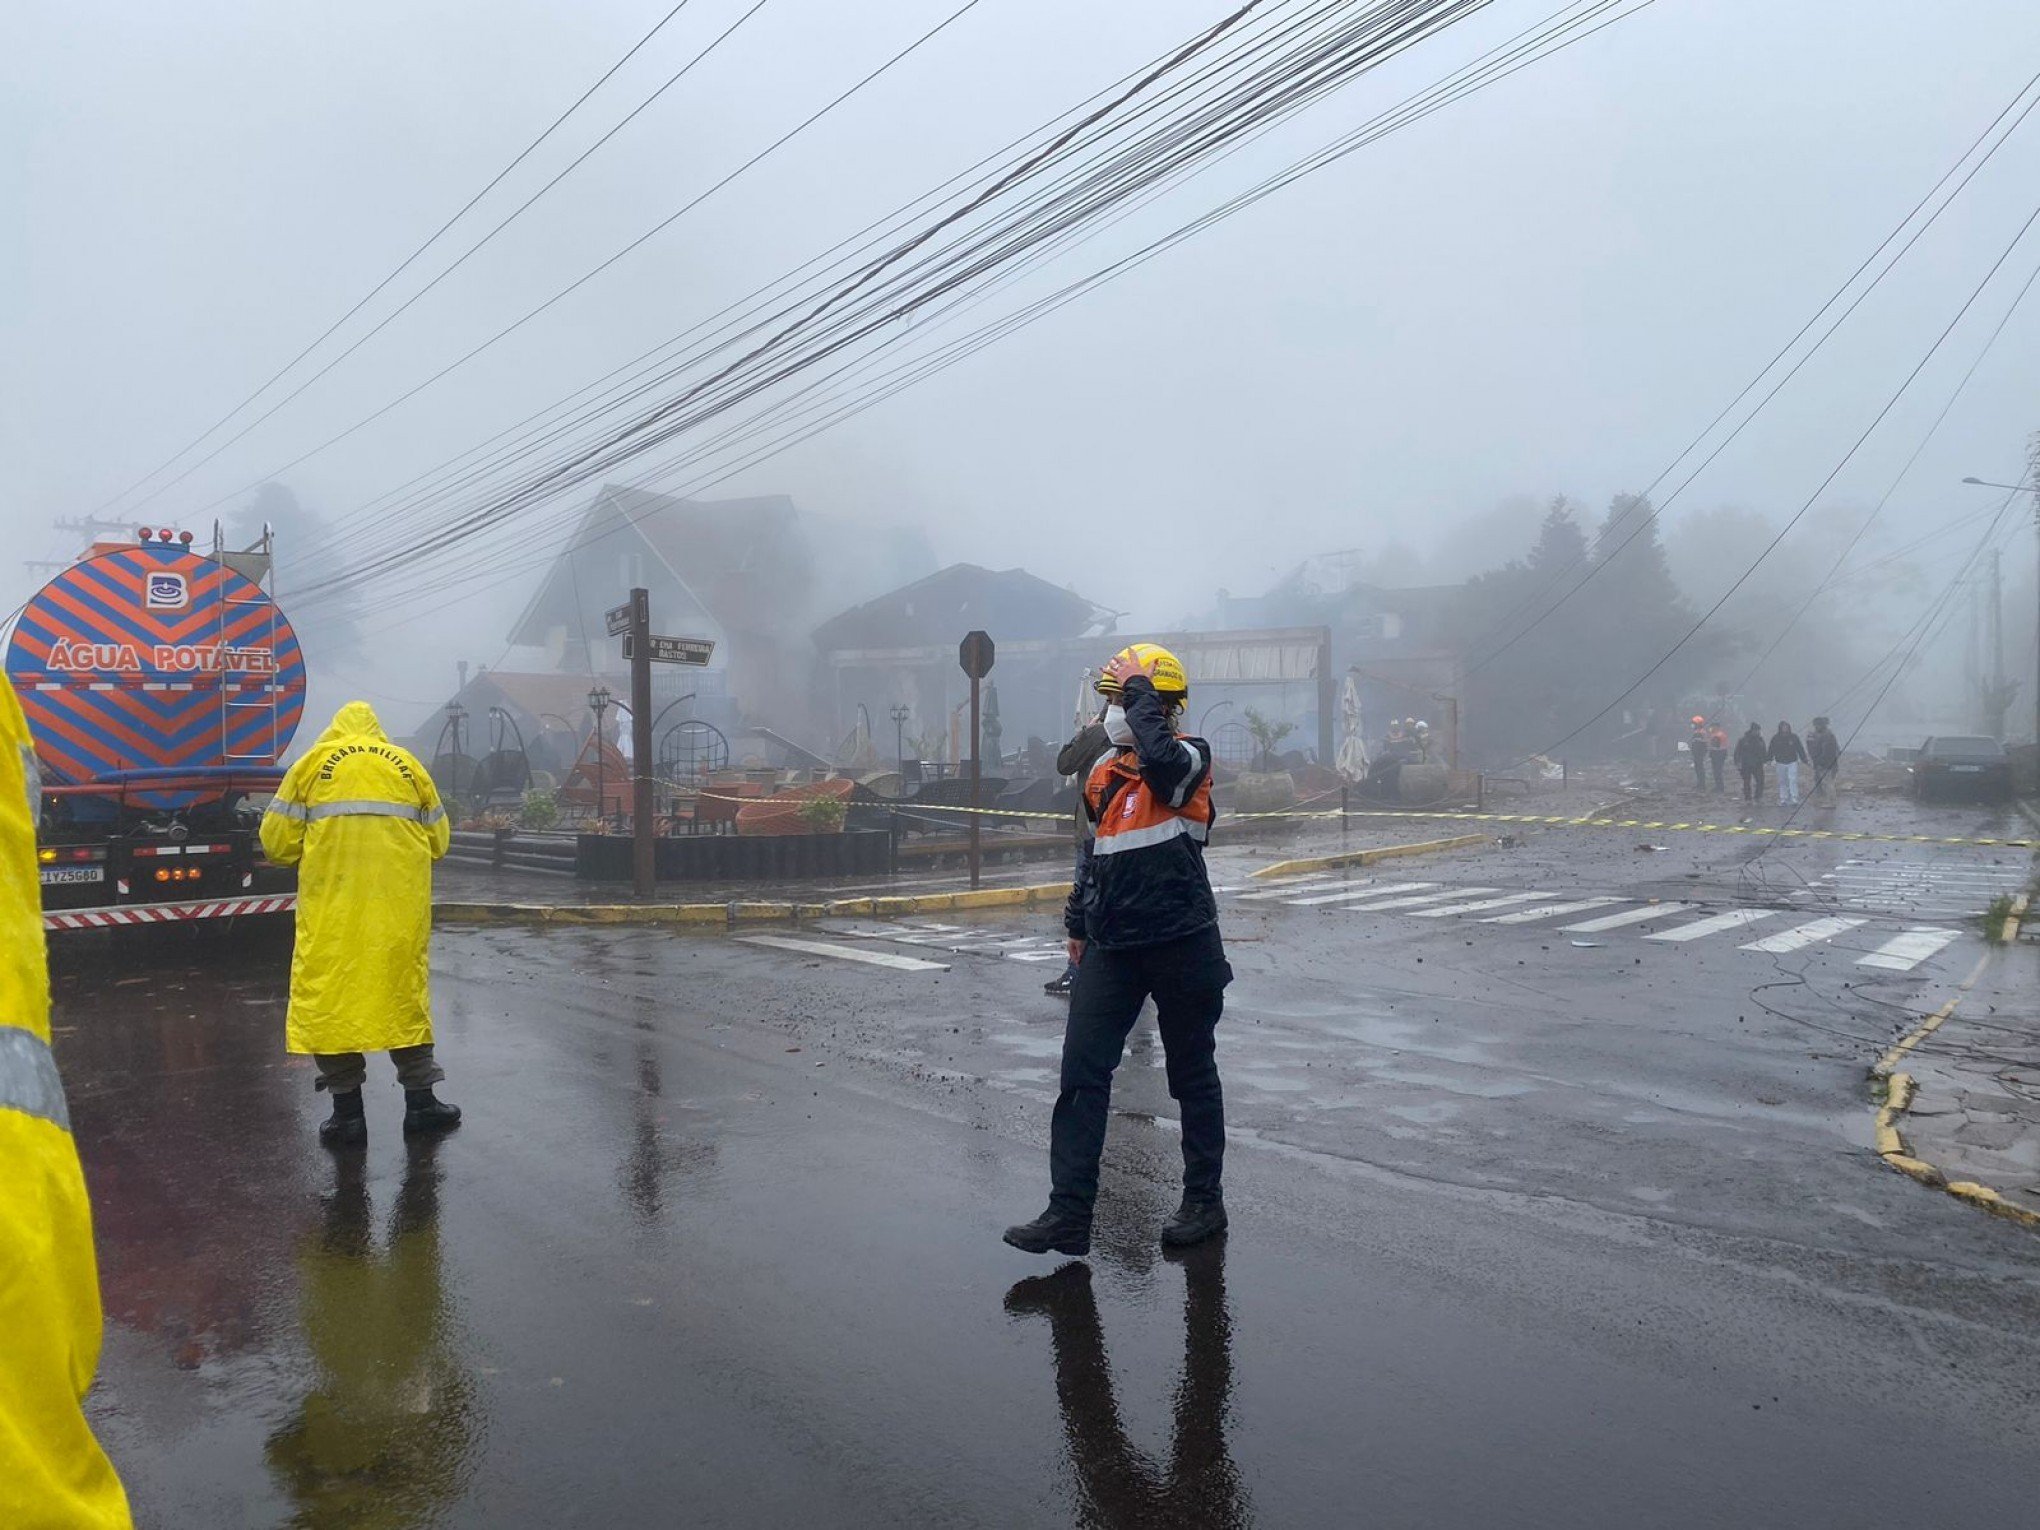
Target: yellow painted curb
<point x="726" y="914"/>
<point x="1900" y="1089"/>
<point x="1368" y="857"/>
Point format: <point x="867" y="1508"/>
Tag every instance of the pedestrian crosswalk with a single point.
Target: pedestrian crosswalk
<point x="1883" y="944"/>
<point x="1916" y="888"/>
<point x="1662" y="921"/>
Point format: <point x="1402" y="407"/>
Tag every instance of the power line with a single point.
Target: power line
<point x="1819" y="489"/>
<point x="406" y="263"/>
<point x="1327" y="62"/>
<point x="463" y="257"/>
<point x="1547" y="36"/>
<point x="1646" y="521"/>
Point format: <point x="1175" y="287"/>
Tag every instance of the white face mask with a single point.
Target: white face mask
<point x="1117" y="728"/>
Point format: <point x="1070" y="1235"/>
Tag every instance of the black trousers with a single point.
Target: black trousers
<point x="1187" y="980"/>
<point x="1752" y="783"/>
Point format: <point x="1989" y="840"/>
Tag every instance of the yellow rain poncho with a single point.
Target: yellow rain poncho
<point x="361" y="819"/>
<point x="52" y="1471"/>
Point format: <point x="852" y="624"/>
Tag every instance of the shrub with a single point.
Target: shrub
<point x="540" y="811"/>
<point x="823" y="814"/>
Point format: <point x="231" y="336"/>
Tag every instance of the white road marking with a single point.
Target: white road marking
<point x="1627" y="916"/>
<point x="1803" y="935"/>
<point x="1476" y="906"/>
<point x="1415" y="899"/>
<point x="1714" y="924"/>
<point x="1383" y="890"/>
<point x="845" y="953"/>
<point x="1550" y="911"/>
<point x="1904" y="952"/>
<point x="1315" y="879"/>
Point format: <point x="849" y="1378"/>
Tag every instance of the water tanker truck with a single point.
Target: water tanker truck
<point x="162" y="685"/>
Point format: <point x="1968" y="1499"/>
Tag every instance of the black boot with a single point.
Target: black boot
<point x="426" y="1112"/>
<point x="1061" y="1232"/>
<point x="347" y="1126"/>
<point x="1061" y="986"/>
<point x="1198" y="1218"/>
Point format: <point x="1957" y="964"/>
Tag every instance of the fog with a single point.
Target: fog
<point x="1548" y="288"/>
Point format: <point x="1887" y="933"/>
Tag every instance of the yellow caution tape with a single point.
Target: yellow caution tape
<point x="1542" y="820"/>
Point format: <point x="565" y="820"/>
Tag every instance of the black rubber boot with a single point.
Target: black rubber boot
<point x="424" y="1111"/>
<point x="1198" y="1218"/>
<point x="347" y="1126"/>
<point x="1058" y="1232"/>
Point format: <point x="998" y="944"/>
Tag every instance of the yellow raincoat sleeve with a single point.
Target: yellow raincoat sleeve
<point x="52" y="1471"/>
<point x="283" y="826"/>
<point x="438" y="823"/>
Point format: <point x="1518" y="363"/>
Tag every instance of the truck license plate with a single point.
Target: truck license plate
<point x="57" y="876"/>
<point x="1967" y="770"/>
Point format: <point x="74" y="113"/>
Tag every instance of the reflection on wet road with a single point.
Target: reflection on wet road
<point x="1195" y="1484"/>
<point x="384" y="1434"/>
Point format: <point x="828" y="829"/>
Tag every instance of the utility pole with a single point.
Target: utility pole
<point x="2033" y="476"/>
<point x="644" y="848"/>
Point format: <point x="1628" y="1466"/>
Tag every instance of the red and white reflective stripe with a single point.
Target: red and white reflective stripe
<point x="164" y="913"/>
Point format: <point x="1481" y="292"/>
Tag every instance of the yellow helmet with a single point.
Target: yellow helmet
<point x="1160" y="666"/>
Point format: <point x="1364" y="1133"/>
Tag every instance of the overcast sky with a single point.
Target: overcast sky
<point x="1550" y="287"/>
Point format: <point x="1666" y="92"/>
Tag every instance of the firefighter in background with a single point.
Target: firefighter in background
<point x="52" y="1472"/>
<point x="362" y="821"/>
<point x="1717" y="755"/>
<point x="1142" y="923"/>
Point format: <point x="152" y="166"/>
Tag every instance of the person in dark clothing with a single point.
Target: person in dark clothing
<point x="1142" y="923"/>
<point x="1824" y="750"/>
<point x="1717" y="755"/>
<point x="1750" y="754"/>
<point x="1696" y="747"/>
<point x="1788" y="754"/>
<point x="1076" y="758"/>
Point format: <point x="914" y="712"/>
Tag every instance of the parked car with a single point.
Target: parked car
<point x="1961" y="765"/>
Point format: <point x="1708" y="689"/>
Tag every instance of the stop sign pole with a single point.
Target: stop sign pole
<point x="975" y="654"/>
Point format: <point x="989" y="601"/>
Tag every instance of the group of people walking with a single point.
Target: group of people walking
<point x="1784" y="749"/>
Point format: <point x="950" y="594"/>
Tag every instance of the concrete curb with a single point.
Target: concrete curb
<point x="728" y="915"/>
<point x="1898" y="1098"/>
<point x="1369" y="857"/>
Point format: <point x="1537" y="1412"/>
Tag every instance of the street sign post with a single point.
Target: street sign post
<point x="617" y="618"/>
<point x="672" y="650"/>
<point x="975" y="653"/>
<point x="637" y="645"/>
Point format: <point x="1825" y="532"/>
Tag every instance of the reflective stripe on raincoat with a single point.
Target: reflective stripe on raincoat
<point x="361" y="819"/>
<point x="52" y="1471"/>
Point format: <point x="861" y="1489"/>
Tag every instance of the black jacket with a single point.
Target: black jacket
<point x="1751" y="752"/>
<point x="1824" y="749"/>
<point x="1078" y="756"/>
<point x="1786" y="749"/>
<point x="1154" y="891"/>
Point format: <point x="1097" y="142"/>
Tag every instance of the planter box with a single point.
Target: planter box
<point x="736" y="858"/>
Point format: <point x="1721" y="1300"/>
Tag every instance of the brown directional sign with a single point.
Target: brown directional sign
<point x="673" y="650"/>
<point x="975" y="654"/>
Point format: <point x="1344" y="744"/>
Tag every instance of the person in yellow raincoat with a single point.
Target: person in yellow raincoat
<point x="361" y="819"/>
<point x="52" y="1471"/>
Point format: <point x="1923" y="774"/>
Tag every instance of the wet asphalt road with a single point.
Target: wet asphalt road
<point x="1524" y="1233"/>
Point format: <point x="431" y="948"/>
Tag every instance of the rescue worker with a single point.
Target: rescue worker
<point x="1717" y="756"/>
<point x="1697" y="747"/>
<point x="52" y="1471"/>
<point x="1787" y="753"/>
<point x="1824" y="750"/>
<point x="1076" y="759"/>
<point x="1142" y="923"/>
<point x="1750" y="754"/>
<point x="361" y="819"/>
